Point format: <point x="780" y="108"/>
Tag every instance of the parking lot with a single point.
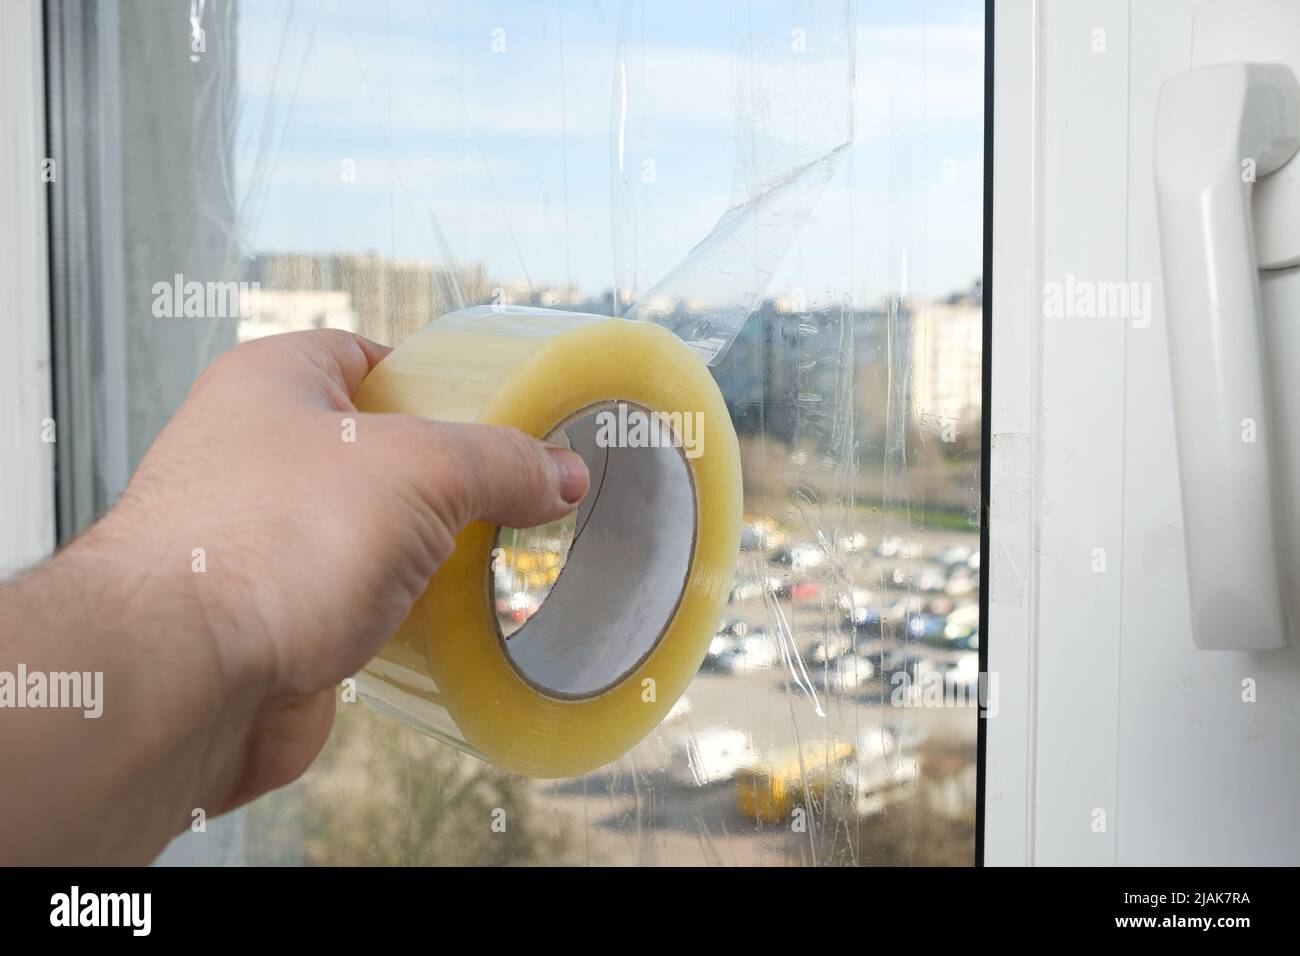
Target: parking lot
<point x="798" y="667"/>
<point x="795" y="747"/>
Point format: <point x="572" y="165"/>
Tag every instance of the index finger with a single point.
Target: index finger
<point x="335" y="359"/>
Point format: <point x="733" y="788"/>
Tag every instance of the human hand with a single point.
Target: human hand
<point x="263" y="558"/>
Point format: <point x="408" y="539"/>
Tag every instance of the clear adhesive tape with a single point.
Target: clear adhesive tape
<point x="631" y="614"/>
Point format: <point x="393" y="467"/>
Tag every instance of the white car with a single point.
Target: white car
<point x="876" y="783"/>
<point x="829" y="648"/>
<point x="962" y="582"/>
<point x="964" y="617"/>
<point x="844" y="675"/>
<point x="893" y="546"/>
<point x="965" y="673"/>
<point x="854" y="599"/>
<point x="714" y="755"/>
<point x="805" y="557"/>
<point x="745" y="655"/>
<point x="850" y="542"/>
<point x="955" y="554"/>
<point x="931" y="578"/>
<point x="875" y="743"/>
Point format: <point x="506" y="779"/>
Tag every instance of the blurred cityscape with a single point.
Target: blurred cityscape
<point x="834" y="717"/>
<point x="915" y="359"/>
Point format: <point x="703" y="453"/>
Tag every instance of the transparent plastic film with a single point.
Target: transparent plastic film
<point x="630" y="615"/>
<point x="792" y="94"/>
<point x="786" y="196"/>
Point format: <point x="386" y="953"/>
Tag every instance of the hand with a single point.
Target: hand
<point x="261" y="558"/>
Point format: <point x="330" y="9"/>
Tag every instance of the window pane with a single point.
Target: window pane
<point x="373" y="166"/>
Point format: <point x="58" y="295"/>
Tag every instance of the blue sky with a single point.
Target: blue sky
<point x="497" y="125"/>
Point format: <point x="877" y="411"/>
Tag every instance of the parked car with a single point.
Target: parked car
<point x="875" y="742"/>
<point x="728" y="654"/>
<point x="850" y="542"/>
<point x="846" y="674"/>
<point x="962" y="582"/>
<point x="794" y="588"/>
<point x="913" y="667"/>
<point x="805" y="557"/>
<point x="963" y="619"/>
<point x="733" y="627"/>
<point x="941" y="605"/>
<point x="761" y="533"/>
<point x="517" y="606"/>
<point x="876" y="783"/>
<point x="714" y="755"/>
<point x="964" y="674"/>
<point x="893" y="546"/>
<point x="907" y="607"/>
<point x="721" y="645"/>
<point x="956" y="554"/>
<point x="883" y="654"/>
<point x="930" y="678"/>
<point x="854" y="598"/>
<point x="803" y="590"/>
<point x="781" y="557"/>
<point x="931" y="578"/>
<point x="828" y="648"/>
<point x="927" y="627"/>
<point x="968" y="641"/>
<point x="863" y="620"/>
<point x="767" y="792"/>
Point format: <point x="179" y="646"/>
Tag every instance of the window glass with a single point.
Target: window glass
<point x="371" y="166"/>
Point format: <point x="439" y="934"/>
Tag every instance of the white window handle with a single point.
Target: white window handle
<point x="1218" y="128"/>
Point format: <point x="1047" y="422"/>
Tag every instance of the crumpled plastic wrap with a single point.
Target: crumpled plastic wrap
<point x="793" y="105"/>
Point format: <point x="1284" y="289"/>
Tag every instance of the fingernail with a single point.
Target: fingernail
<point x="573" y="474"/>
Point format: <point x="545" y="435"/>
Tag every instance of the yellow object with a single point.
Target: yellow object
<point x="767" y="793"/>
<point x="640" y="596"/>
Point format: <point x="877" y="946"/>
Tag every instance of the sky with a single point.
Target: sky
<point x="597" y="142"/>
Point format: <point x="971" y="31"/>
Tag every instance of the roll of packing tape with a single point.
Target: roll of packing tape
<point x="632" y="612"/>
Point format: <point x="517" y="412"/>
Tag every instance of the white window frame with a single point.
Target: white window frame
<point x="1061" y="203"/>
<point x="1011" y="577"/>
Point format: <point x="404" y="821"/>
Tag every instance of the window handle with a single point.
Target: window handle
<point x="1218" y="128"/>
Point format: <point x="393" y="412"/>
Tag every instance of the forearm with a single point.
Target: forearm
<point x="107" y="765"/>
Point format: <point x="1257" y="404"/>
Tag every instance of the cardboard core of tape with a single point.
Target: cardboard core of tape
<point x="626" y="569"/>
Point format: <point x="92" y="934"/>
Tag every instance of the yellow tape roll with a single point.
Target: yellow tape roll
<point x="632" y="612"/>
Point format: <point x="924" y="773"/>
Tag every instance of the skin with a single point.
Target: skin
<point x="221" y="685"/>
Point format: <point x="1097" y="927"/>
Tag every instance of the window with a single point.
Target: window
<point x="815" y="169"/>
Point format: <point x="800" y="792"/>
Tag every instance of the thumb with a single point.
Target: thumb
<point x="512" y="479"/>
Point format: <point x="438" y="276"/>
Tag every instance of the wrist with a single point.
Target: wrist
<point x="173" y="703"/>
